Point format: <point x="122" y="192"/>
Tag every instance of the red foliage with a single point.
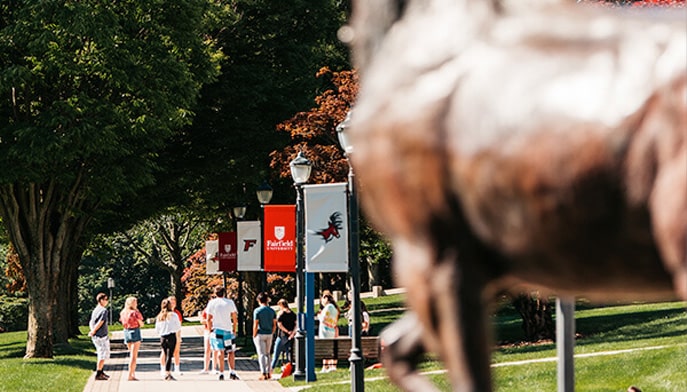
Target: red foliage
<point x="314" y="131"/>
<point x="198" y="284"/>
<point x="17" y="281"/>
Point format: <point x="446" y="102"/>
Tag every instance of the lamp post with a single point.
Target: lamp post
<point x="110" y="285"/>
<point x="264" y="195"/>
<point x="239" y="212"/>
<point x="356" y="358"/>
<point x="300" y="172"/>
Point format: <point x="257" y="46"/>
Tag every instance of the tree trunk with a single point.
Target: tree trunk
<point x="44" y="226"/>
<point x="176" y="287"/>
<point x="536" y="313"/>
<point x="42" y="296"/>
<point x="67" y="312"/>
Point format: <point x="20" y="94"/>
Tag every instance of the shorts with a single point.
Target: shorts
<point x="222" y="340"/>
<point x="132" y="335"/>
<point x="102" y="347"/>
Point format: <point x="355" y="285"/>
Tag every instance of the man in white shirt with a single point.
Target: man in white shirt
<point x="222" y="320"/>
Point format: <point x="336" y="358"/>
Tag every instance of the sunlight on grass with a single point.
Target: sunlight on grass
<point x="67" y="372"/>
<point x="605" y="328"/>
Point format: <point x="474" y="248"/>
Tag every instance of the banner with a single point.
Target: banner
<point x="280" y="238"/>
<point x="249" y="241"/>
<point x="211" y="257"/>
<point x="227" y="251"/>
<point x="326" y="228"/>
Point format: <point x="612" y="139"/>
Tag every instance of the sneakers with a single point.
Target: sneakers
<point x="204" y="372"/>
<point x="221" y="377"/>
<point x="233" y="376"/>
<point x="170" y="378"/>
<point x="101" y="376"/>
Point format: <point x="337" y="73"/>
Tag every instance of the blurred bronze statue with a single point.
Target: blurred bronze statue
<point x="518" y="143"/>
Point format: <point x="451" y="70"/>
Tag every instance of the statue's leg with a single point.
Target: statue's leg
<point x="447" y="298"/>
<point x="402" y="351"/>
<point x="668" y="206"/>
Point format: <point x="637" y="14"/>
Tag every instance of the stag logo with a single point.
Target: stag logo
<point x="332" y="230"/>
<point x="334" y="226"/>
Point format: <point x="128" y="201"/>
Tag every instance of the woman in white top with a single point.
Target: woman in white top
<point x="167" y="325"/>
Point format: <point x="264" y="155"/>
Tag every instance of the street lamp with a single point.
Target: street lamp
<point x="264" y="195"/>
<point x="110" y="285"/>
<point x="239" y="212"/>
<point x="356" y="358"/>
<point x="300" y="172"/>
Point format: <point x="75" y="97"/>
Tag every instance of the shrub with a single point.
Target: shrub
<point x="14" y="313"/>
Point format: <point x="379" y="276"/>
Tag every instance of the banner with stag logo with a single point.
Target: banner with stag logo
<point x="212" y="257"/>
<point x="227" y="251"/>
<point x="326" y="228"/>
<point x="280" y="238"/>
<point x="249" y="241"/>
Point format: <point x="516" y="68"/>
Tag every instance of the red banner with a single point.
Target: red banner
<point x="227" y="251"/>
<point x="280" y="238"/>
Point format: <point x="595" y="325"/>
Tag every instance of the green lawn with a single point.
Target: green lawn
<point x="67" y="372"/>
<point x="658" y="329"/>
<point x="655" y="332"/>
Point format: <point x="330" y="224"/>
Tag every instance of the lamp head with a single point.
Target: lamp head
<point x="343" y="136"/>
<point x="300" y="169"/>
<point x="264" y="193"/>
<point x="239" y="211"/>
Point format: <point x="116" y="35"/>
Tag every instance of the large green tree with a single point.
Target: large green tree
<point x="273" y="49"/>
<point x="91" y="93"/>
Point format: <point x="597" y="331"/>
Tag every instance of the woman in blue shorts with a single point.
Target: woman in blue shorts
<point x="132" y="321"/>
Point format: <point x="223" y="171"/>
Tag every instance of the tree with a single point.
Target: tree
<point x="537" y="316"/>
<point x="95" y="91"/>
<point x="169" y="241"/>
<point x="273" y="49"/>
<point x="111" y="256"/>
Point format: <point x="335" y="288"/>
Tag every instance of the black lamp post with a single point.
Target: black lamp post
<point x="239" y="213"/>
<point x="264" y="194"/>
<point x="110" y="286"/>
<point x="300" y="172"/>
<point x="356" y="358"/>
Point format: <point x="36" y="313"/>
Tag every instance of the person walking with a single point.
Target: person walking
<point x="177" y="350"/>
<point x="329" y="318"/>
<point x="264" y="326"/>
<point x="167" y="325"/>
<point x="132" y="321"/>
<point x="222" y="321"/>
<point x="364" y="320"/>
<point x="286" y="330"/>
<point x="207" y="350"/>
<point x="100" y="335"/>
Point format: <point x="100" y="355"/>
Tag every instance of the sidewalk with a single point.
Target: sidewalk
<point x="148" y="368"/>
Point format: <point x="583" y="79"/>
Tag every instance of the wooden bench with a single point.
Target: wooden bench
<point x="340" y="348"/>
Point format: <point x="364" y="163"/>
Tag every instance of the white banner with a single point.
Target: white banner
<point x="326" y="228"/>
<point x="212" y="257"/>
<point x="249" y="241"/>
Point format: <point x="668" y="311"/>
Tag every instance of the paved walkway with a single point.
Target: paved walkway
<point x="148" y="368"/>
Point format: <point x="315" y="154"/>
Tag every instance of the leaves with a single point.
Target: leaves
<point x="314" y="131"/>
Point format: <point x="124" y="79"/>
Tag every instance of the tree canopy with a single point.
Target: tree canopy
<point x="92" y="92"/>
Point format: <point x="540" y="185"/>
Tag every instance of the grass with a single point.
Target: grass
<point x="659" y="328"/>
<point x="68" y="371"/>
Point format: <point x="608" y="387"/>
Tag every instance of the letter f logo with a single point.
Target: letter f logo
<point x="247" y="244"/>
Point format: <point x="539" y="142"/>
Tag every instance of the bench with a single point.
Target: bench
<point x="340" y="348"/>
